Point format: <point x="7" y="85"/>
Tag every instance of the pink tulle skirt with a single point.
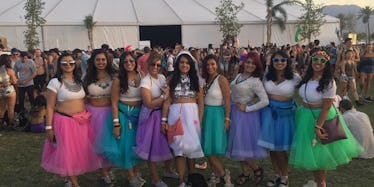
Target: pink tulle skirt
<point x="72" y="153"/>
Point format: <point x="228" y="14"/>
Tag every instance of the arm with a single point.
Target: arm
<point x="342" y="67"/>
<point x="115" y="94"/>
<point x="259" y="90"/>
<point x="200" y="103"/>
<point x="326" y="104"/>
<point x="12" y="75"/>
<point x="148" y="100"/>
<point x="46" y="70"/>
<point x="51" y="103"/>
<point x="225" y="88"/>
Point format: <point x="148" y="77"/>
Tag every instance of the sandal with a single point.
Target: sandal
<point x="242" y="179"/>
<point x="259" y="175"/>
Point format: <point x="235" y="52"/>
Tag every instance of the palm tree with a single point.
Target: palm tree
<point x="365" y="14"/>
<point x="271" y="13"/>
<point x="89" y="24"/>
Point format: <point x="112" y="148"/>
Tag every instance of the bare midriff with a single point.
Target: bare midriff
<point x="71" y="107"/>
<point x="279" y="97"/>
<point x="99" y="102"/>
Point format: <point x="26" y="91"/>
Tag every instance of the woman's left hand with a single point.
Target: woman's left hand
<point x="227" y="124"/>
<point x="241" y="107"/>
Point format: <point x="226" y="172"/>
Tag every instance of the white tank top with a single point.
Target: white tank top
<point x="214" y="95"/>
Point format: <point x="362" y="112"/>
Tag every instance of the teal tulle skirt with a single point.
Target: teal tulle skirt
<point x="320" y="157"/>
<point x="213" y="136"/>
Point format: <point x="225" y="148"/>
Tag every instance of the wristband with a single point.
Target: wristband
<point x="115" y="120"/>
<point x="227" y="119"/>
<point x="162" y="96"/>
<point x="164" y="119"/>
<point x="48" y="127"/>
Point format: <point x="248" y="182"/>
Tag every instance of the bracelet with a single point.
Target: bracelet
<point x="227" y="119"/>
<point x="164" y="119"/>
<point x="117" y="125"/>
<point x="318" y="127"/>
<point x="115" y="120"/>
<point x="48" y="127"/>
<point x="162" y="96"/>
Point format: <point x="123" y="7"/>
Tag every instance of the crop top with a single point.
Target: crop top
<point x="247" y="91"/>
<point x="154" y="85"/>
<point x="214" y="95"/>
<point x="63" y="94"/>
<point x="99" y="89"/>
<point x="4" y="77"/>
<point x="182" y="90"/>
<point x="132" y="94"/>
<point x="315" y="97"/>
<point x="285" y="88"/>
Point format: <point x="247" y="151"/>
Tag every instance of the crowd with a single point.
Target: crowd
<point x="119" y="108"/>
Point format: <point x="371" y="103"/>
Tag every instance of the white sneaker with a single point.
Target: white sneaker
<point x="173" y="175"/>
<point x="135" y="182"/>
<point x="111" y="175"/>
<point x="183" y="185"/>
<point x="139" y="175"/>
<point x="160" y="184"/>
<point x="106" y="180"/>
<point x="310" y="183"/>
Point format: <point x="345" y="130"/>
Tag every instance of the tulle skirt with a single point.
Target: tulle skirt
<point x="72" y="154"/>
<point x="278" y="124"/>
<point x="320" y="157"/>
<point x="243" y="136"/>
<point x="188" y="144"/>
<point x="120" y="151"/>
<point x="151" y="143"/>
<point x="214" y="136"/>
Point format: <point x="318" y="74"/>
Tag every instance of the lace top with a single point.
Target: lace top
<point x="99" y="89"/>
<point x="182" y="90"/>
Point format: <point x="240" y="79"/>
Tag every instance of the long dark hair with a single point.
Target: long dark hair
<point x="272" y="73"/>
<point x="59" y="73"/>
<point x="205" y="74"/>
<point x="192" y="74"/>
<point x="91" y="73"/>
<point x="123" y="76"/>
<point x="5" y="60"/>
<point x="323" y="83"/>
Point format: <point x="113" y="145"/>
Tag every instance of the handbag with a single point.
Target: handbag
<point x="176" y="129"/>
<point x="332" y="127"/>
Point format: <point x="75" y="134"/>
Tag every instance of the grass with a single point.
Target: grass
<point x="20" y="155"/>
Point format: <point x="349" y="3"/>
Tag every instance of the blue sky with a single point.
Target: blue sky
<point x="361" y="3"/>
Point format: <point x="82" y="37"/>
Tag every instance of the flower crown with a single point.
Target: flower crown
<point x="321" y="53"/>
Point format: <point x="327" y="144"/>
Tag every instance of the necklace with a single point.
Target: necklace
<point x="71" y="85"/>
<point x="102" y="84"/>
<point x="241" y="79"/>
<point x="207" y="87"/>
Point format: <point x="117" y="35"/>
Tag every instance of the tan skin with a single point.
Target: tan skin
<point x="153" y="69"/>
<point x="320" y="175"/>
<point x="366" y="78"/>
<point x="212" y="68"/>
<point x="69" y="107"/>
<point x="8" y="102"/>
<point x="350" y="84"/>
<point x="184" y="68"/>
<point x="115" y="95"/>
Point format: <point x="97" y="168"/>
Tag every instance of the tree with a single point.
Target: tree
<point x="361" y="36"/>
<point x="34" y="20"/>
<point x="365" y="14"/>
<point x="227" y="19"/>
<point x="271" y="13"/>
<point x="89" y="23"/>
<point x="311" y="21"/>
<point x="347" y="23"/>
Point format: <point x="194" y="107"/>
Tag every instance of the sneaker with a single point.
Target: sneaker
<point x="111" y="175"/>
<point x="172" y="174"/>
<point x="359" y="103"/>
<point x="310" y="183"/>
<point x="369" y="99"/>
<point x="135" y="182"/>
<point x="283" y="183"/>
<point x="67" y="183"/>
<point x="139" y="175"/>
<point x="346" y="97"/>
<point x="106" y="180"/>
<point x="160" y="184"/>
<point x="183" y="185"/>
<point x="273" y="182"/>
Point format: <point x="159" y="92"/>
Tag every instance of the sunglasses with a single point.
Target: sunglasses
<point x="100" y="59"/>
<point x="127" y="61"/>
<point x="317" y="59"/>
<point x="64" y="63"/>
<point x="276" y="60"/>
<point x="156" y="65"/>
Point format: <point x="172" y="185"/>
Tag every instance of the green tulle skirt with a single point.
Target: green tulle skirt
<point x="320" y="157"/>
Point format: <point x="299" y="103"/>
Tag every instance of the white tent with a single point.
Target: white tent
<point x="118" y="22"/>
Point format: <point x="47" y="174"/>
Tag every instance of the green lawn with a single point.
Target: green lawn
<point x="20" y="155"/>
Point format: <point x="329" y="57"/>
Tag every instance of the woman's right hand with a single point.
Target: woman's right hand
<point x="116" y="132"/>
<point x="50" y="134"/>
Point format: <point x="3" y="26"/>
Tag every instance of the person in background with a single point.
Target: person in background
<point x="366" y="69"/>
<point x="42" y="75"/>
<point x="360" y="126"/>
<point x="53" y="55"/>
<point x="83" y="58"/>
<point x="170" y="61"/>
<point x="142" y="61"/>
<point x="8" y="95"/>
<point x="38" y="115"/>
<point x="69" y="145"/>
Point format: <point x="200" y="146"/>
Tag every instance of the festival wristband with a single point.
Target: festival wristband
<point x="48" y="127"/>
<point x="115" y="120"/>
<point x="164" y="119"/>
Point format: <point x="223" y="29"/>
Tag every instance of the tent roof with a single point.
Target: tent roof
<point x="138" y="12"/>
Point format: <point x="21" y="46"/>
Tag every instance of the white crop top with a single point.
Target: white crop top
<point x="214" y="95"/>
<point x="285" y="88"/>
<point x="63" y="94"/>
<point x="132" y="94"/>
<point x="315" y="97"/>
<point x="100" y="89"/>
<point x="154" y="85"/>
<point x="247" y="91"/>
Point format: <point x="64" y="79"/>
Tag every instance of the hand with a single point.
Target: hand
<point x="241" y="107"/>
<point x="165" y="91"/>
<point x="50" y="134"/>
<point x="227" y="124"/>
<point x="164" y="127"/>
<point x="116" y="132"/>
<point x="321" y="134"/>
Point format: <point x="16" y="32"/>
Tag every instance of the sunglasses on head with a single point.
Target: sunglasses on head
<point x="317" y="59"/>
<point x="156" y="65"/>
<point x="127" y="61"/>
<point x="64" y="63"/>
<point x="276" y="60"/>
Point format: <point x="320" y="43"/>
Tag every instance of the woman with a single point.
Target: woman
<point x="216" y="118"/>
<point x="68" y="149"/>
<point x="366" y="69"/>
<point x="7" y="92"/>
<point x="246" y="89"/>
<point x="151" y="143"/>
<point x="317" y="89"/>
<point x="184" y="105"/>
<point x="42" y="76"/>
<point x="278" y="118"/>
<point x="118" y="138"/>
<point x="97" y="83"/>
<point x="348" y="77"/>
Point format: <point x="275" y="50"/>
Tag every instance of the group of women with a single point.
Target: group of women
<point x="121" y="119"/>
